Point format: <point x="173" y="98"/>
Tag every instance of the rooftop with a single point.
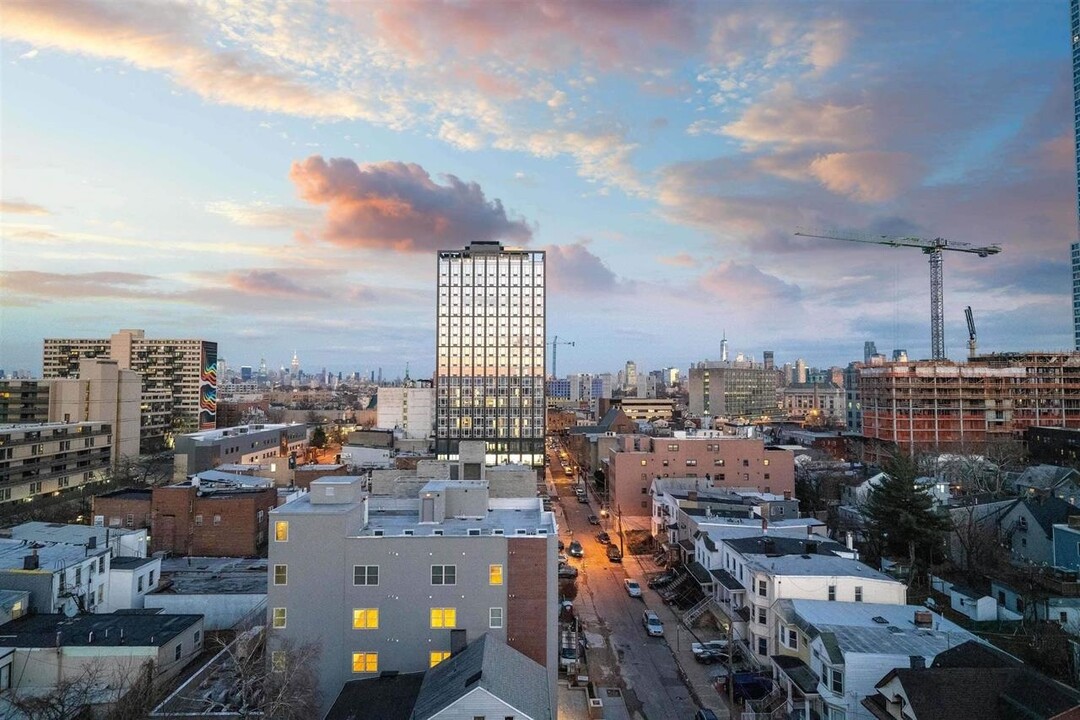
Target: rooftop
<point x="221" y="576"/>
<point x="130" y="563"/>
<point x="129" y="494"/>
<point x="816" y="566"/>
<point x="390" y="696"/>
<point x="219" y="433"/>
<point x="43" y="631"/>
<point x="50" y="557"/>
<point x="784" y="545"/>
<point x="67" y="534"/>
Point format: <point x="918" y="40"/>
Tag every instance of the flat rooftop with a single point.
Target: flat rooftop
<point x="142" y="630"/>
<point x="50" y="557"/>
<point x="202" y="576"/>
<point x="130" y="563"/>
<point x="128" y="494"/>
<point x="238" y="431"/>
<point x="65" y="533"/>
<point x="816" y="566"/>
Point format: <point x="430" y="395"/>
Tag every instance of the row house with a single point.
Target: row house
<point x="828" y="656"/>
<point x="59" y="577"/>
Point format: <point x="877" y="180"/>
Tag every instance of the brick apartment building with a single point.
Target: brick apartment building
<point x="728" y="462"/>
<point x="189" y="519"/>
<point x="942" y="406"/>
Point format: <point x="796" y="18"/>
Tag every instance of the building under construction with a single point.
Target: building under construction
<point x="942" y="406"/>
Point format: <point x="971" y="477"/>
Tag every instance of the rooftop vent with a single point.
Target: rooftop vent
<point x="880" y="620"/>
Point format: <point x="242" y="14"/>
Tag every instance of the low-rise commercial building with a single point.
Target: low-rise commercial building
<point x="245" y="444"/>
<point x="399" y="579"/>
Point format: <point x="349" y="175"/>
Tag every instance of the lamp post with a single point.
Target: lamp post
<point x="618" y="514"/>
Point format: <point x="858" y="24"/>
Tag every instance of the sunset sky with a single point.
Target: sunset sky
<point x="277" y="176"/>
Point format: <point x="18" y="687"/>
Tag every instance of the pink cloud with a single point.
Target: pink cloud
<point x="782" y="118"/>
<point x="869" y="177"/>
<point x="574" y="268"/>
<point x="17" y="207"/>
<point x="270" y="282"/>
<point x="683" y="260"/>
<point x="393" y="205"/>
<point x="744" y="283"/>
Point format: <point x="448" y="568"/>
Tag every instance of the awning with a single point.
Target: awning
<point x="700" y="574"/>
<point x="794" y="669"/>
<point x="727" y="580"/>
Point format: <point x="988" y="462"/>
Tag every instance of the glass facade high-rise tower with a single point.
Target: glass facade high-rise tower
<point x="1074" y="26"/>
<point x="490" y="357"/>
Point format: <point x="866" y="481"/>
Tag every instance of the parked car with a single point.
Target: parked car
<point x="711" y="645"/>
<point x="576" y="550"/>
<point x="567" y="572"/>
<point x="613" y="553"/>
<point x="593" y="520"/>
<point x="562" y="546"/>
<point x="652" y="624"/>
<point x="563" y="559"/>
<point x="632" y="588"/>
<point x="661" y="580"/>
<point x="603" y="538"/>
<point x="582" y="497"/>
<point x="707" y="657"/>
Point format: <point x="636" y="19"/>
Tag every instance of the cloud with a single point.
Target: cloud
<point x="393" y="205"/>
<point x="683" y="260"/>
<point x="169" y="38"/>
<point x="575" y="269"/>
<point x="50" y="286"/>
<point x="868" y="177"/>
<point x="270" y="282"/>
<point x="784" y="119"/>
<point x="743" y="283"/>
<point x="16" y="207"/>
<point x="261" y="214"/>
<point x="29" y="55"/>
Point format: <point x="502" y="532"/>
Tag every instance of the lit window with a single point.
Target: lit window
<point x="365" y="662"/>
<point x="642" y="463"/>
<point x="281" y="531"/>
<point x="444" y="574"/>
<point x="365" y="618"/>
<point x="437" y="656"/>
<point x="279" y="618"/>
<point x="495" y="617"/>
<point x="443" y="617"/>
<point x="281" y="574"/>
<point x="495" y="574"/>
<point x="765" y="462"/>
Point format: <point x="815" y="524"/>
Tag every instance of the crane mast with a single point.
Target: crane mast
<point x="933" y="248"/>
<point x="972" y="337"/>
<point x="555" y="343"/>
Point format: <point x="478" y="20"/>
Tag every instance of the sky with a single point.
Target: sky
<point x="277" y="176"/>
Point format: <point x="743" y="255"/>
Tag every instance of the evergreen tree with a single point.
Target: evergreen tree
<point x="900" y="517"/>
<point x="318" y="438"/>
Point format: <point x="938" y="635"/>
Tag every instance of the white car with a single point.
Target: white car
<point x="632" y="588"/>
<point x="711" y="645"/>
<point x="652" y="624"/>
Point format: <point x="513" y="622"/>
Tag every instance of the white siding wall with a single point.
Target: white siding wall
<point x="480" y="703"/>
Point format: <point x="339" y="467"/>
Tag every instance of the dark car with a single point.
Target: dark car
<point x="708" y="657"/>
<point x="603" y="538"/>
<point x="613" y="553"/>
<point x="593" y="520"/>
<point x="661" y="580"/>
<point x="567" y="572"/>
<point x="576" y="550"/>
<point x="562" y="546"/>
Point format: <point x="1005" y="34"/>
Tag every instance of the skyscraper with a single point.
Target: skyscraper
<point x="1074" y="17"/>
<point x="490" y="346"/>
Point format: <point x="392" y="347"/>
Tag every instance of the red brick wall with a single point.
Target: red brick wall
<point x="112" y="508"/>
<point x="238" y="531"/>
<point x="526" y="597"/>
<point x="302" y="478"/>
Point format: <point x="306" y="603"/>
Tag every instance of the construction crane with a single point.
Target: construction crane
<point x="971" y="331"/>
<point x="555" y="343"/>
<point x="933" y="248"/>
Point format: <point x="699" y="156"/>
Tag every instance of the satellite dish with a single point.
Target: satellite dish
<point x="70" y="610"/>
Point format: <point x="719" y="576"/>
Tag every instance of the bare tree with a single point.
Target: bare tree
<point x="123" y="691"/>
<point x="275" y="684"/>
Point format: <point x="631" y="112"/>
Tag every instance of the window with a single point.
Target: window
<point x="139" y="585"/>
<point x="198" y="520"/>
<point x="495" y="575"/>
<point x="836" y="681"/>
<point x="279" y="618"/>
<point x="281" y="531"/>
<point x="437" y="656"/>
<point x="78" y="576"/>
<point x="643" y="463"/>
<point x="365" y="575"/>
<point x="149" y="578"/>
<point x="746" y="463"/>
<point x="365" y="618"/>
<point x="217" y="519"/>
<point x="762" y="616"/>
<point x="196" y="637"/>
<point x="691" y="463"/>
<point x="765" y="461"/>
<point x="277" y="660"/>
<point x="1063" y="617"/>
<point x="858" y="593"/>
<point x="179" y="651"/>
<point x="719" y="462"/>
<point x="444" y="574"/>
<point x="495" y="617"/>
<point x="762" y="646"/>
<point x="365" y="662"/>
<point x="281" y="574"/>
<point x="792" y="639"/>
<point x="762" y="588"/>
<point x="673" y="447"/>
<point x="832" y="592"/>
<point x="443" y="617"/>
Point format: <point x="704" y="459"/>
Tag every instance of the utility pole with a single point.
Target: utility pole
<point x="618" y="514"/>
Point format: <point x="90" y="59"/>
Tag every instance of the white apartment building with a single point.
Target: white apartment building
<point x="59" y="577"/>
<point x="408" y="410"/>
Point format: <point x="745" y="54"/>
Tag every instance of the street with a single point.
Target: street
<point x="620" y="653"/>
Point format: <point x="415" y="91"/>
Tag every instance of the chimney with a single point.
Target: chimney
<point x="30" y="562"/>
<point x="764" y="525"/>
<point x="91" y="542"/>
<point x="90" y="638"/>
<point x="850" y="538"/>
<point x="924" y="619"/>
<point x="458" y="641"/>
<point x="787" y="494"/>
<point x="809" y="531"/>
<point x="692" y="496"/>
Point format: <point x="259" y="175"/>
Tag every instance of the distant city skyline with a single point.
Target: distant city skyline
<point x="257" y="181"/>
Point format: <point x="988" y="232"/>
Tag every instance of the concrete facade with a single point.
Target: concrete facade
<point x="732" y="390"/>
<point x="243" y="445"/>
<point x="727" y="462"/>
<point x="398" y="577"/>
<point x="41" y="459"/>
<point x="409" y="410"/>
<point x="103" y="392"/>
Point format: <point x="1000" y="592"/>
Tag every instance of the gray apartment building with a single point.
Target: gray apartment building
<point x="179" y="377"/>
<point x="732" y="390"/>
<point x="50" y="457"/>
<point x="256" y="444"/>
<point x="393" y="584"/>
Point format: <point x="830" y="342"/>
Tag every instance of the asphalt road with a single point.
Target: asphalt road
<point x="644" y="664"/>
